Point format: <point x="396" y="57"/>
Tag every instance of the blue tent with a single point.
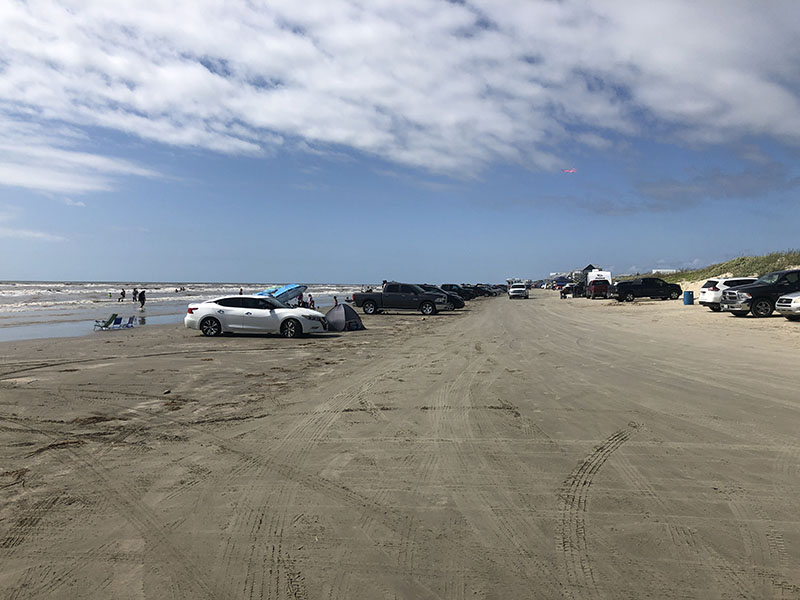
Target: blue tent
<point x="284" y="293"/>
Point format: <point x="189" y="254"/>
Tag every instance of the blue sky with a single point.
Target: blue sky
<point x="424" y="140"/>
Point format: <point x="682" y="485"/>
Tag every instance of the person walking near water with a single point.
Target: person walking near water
<point x="142" y="299"/>
<point x="121" y="295"/>
<point x="135" y="295"/>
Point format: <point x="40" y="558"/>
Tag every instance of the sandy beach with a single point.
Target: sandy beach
<point x="543" y="448"/>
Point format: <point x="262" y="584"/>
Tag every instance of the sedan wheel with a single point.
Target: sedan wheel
<point x="673" y="295"/>
<point x="291" y="328"/>
<point x="210" y="327"/>
<point x="629" y="297"/>
<point x="427" y="308"/>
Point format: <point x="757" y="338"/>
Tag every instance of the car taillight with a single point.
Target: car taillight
<point x="713" y="288"/>
<point x="191" y="310"/>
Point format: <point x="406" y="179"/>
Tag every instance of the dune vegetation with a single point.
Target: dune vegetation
<point x="741" y="266"/>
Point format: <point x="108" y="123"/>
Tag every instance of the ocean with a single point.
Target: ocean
<point x="44" y="309"/>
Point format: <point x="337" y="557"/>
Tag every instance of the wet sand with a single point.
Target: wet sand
<point x="518" y="449"/>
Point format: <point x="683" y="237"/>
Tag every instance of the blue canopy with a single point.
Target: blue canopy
<point x="284" y="293"/>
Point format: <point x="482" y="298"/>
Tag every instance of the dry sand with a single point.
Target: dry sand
<point x="530" y="449"/>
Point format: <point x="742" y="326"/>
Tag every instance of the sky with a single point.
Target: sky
<point x="424" y="140"/>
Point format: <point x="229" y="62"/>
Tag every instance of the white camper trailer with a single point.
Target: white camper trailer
<point x="598" y="274"/>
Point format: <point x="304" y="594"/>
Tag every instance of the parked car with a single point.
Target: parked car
<point x="403" y="296"/>
<point x="518" y="290"/>
<point x="789" y="306"/>
<point x="252" y="314"/>
<point x="597" y="288"/>
<point x="454" y="288"/>
<point x="454" y="301"/>
<point x="711" y="293"/>
<point x="477" y="290"/>
<point x="760" y="296"/>
<point x="644" y="287"/>
<point x="486" y="290"/>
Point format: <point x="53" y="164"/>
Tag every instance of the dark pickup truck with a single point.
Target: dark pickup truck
<point x="759" y="297"/>
<point x="403" y="296"/>
<point x="644" y="287"/>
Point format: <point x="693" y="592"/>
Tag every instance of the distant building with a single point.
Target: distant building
<point x="664" y="271"/>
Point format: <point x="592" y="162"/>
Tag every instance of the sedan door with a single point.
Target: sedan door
<point x="259" y="316"/>
<point x="229" y="311"/>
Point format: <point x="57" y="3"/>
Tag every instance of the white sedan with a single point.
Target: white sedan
<point x="253" y="314"/>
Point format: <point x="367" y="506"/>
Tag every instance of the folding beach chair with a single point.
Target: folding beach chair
<point x="129" y="324"/>
<point x="101" y="324"/>
<point x="116" y="324"/>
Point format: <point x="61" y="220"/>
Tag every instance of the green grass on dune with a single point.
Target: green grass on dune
<point x="741" y="266"/>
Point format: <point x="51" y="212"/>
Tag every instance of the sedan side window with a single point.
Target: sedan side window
<point x="257" y="303"/>
<point x="792" y="277"/>
<point x="235" y="302"/>
<point x="392" y="288"/>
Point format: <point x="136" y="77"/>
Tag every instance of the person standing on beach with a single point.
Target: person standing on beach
<point x="241" y="291"/>
<point x="121" y="295"/>
<point x="135" y="295"/>
<point x="335" y="301"/>
<point x="310" y="301"/>
<point x="142" y="299"/>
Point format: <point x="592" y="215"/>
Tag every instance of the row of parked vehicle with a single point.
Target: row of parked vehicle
<point x="761" y="297"/>
<point x="426" y="298"/>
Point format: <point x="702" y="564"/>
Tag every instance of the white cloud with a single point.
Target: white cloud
<point x="8" y="214"/>
<point x="447" y="87"/>
<point x="77" y="203"/>
<point x="38" y="157"/>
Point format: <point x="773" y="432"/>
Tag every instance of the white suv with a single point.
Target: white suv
<point x="711" y="292"/>
<point x="517" y="290"/>
<point x="789" y="306"/>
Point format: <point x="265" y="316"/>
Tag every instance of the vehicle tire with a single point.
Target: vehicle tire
<point x="210" y="327"/>
<point x="629" y="297"/>
<point x="715" y="308"/>
<point x="620" y="299"/>
<point x="739" y="313"/>
<point x="673" y="295"/>
<point x="291" y="328"/>
<point x="369" y="307"/>
<point x="761" y="307"/>
<point x="591" y="296"/>
<point x="793" y="317"/>
<point x="427" y="308"/>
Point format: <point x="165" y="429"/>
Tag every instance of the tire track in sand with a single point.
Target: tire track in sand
<point x="140" y="516"/>
<point x="572" y="505"/>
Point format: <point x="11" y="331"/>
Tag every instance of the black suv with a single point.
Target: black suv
<point x="644" y="287"/>
<point x="759" y="297"/>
